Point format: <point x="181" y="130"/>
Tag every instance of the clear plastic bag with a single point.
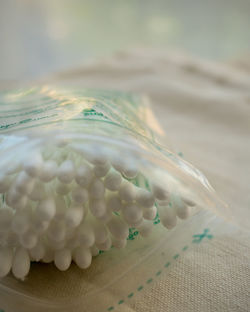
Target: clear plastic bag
<point x="85" y="173"/>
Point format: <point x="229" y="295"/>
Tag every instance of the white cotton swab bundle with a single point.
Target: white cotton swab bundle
<point x="69" y="203"/>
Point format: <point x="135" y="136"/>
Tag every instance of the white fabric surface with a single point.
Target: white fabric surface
<point x="205" y="110"/>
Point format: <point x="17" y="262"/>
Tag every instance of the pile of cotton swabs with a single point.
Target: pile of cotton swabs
<point x="70" y="202"/>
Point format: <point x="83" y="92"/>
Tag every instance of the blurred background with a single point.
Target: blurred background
<point x="40" y="37"/>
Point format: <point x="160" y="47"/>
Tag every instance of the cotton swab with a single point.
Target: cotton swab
<point x="145" y="198"/>
<point x="150" y="213"/>
<point x="6" y="257"/>
<point x="84" y="175"/>
<point x="49" y="171"/>
<point x="63" y="259"/>
<point x="113" y="180"/>
<point x="160" y="192"/>
<point x="21" y="263"/>
<point x="118" y="228"/>
<point x="74" y="215"/>
<point x="97" y="189"/>
<point x="101" y="170"/>
<point x="80" y="195"/>
<point x="46" y="209"/>
<point x="167" y="216"/>
<point x="132" y="214"/>
<point x="85" y="235"/>
<point x="127" y="192"/>
<point x="66" y="172"/>
<point x="83" y="257"/>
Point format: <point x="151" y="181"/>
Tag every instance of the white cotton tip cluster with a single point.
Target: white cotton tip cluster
<point x="70" y="203"/>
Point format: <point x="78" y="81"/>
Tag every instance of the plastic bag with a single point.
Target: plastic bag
<point x="82" y="172"/>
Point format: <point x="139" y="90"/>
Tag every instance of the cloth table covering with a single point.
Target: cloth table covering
<point x="204" y="108"/>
